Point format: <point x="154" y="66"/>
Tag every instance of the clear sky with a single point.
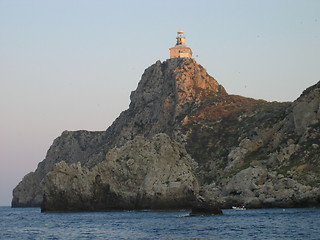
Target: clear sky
<point x="71" y="64"/>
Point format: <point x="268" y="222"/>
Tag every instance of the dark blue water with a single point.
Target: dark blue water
<point x="249" y="224"/>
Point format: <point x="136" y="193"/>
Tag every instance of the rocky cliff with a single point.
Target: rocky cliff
<point x="267" y="156"/>
<point x="166" y="93"/>
<point x="142" y="174"/>
<point x="219" y="148"/>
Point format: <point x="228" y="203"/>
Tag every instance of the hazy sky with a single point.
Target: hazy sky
<point x="69" y="65"/>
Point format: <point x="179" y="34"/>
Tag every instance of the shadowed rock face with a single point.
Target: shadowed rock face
<point x="71" y="147"/>
<point x="143" y="174"/>
<point x="243" y="151"/>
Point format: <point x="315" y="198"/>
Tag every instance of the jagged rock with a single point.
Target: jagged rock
<point x="255" y="188"/>
<point x="71" y="147"/>
<point x="306" y="110"/>
<point x="143" y="174"/>
<point x="167" y="93"/>
<point x="205" y="210"/>
<point x="27" y="193"/>
<point x="245" y="151"/>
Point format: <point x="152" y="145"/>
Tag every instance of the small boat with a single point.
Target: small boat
<point x="239" y="208"/>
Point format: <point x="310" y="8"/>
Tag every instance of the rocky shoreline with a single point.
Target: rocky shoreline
<point x="184" y="140"/>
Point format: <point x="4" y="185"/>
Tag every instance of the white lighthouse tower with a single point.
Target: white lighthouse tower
<point x="180" y="50"/>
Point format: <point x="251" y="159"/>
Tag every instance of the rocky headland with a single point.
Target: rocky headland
<point x="185" y="143"/>
<point x="151" y="173"/>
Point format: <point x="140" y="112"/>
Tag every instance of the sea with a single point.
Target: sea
<point x="30" y="223"/>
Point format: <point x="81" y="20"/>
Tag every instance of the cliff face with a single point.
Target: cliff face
<point x="264" y="155"/>
<point x="166" y="93"/>
<point x="71" y="147"/>
<point x="143" y="174"/>
<point x="227" y="149"/>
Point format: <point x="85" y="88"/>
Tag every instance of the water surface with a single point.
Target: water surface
<point x="30" y="223"/>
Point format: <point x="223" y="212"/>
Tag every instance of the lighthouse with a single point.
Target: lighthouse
<point x="180" y="50"/>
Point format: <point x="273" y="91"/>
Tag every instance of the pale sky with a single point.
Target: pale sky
<point x="70" y="65"/>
